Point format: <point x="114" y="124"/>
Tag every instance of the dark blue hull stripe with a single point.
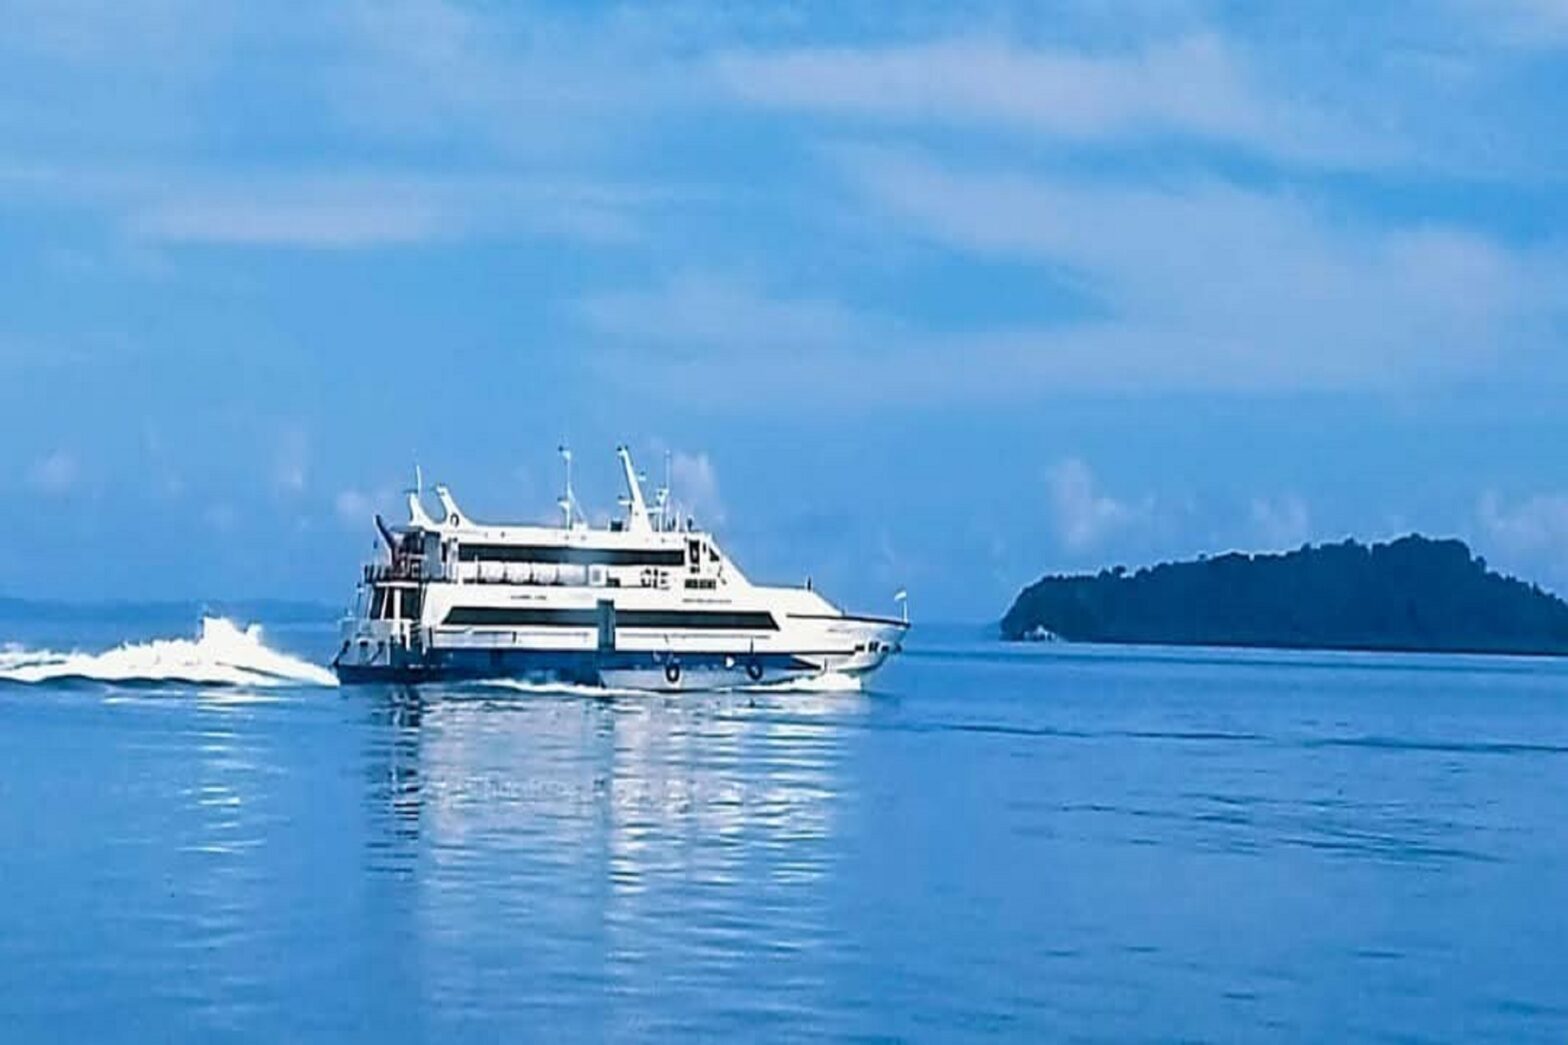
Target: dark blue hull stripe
<point x="586" y="668"/>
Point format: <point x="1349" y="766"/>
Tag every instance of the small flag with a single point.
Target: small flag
<point x="900" y="595"/>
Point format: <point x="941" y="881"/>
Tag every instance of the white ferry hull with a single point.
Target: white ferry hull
<point x="372" y="652"/>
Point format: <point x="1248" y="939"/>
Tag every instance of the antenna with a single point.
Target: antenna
<point x="664" y="495"/>
<point x="901" y="596"/>
<point x="417" y="516"/>
<point x="636" y="509"/>
<point x="568" y="501"/>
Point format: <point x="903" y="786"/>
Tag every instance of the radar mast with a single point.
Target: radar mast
<point x="636" y="507"/>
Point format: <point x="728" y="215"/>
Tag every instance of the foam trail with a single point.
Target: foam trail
<point x="569" y="689"/>
<point x="224" y="654"/>
<point x="832" y="682"/>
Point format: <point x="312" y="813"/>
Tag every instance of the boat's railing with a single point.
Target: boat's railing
<point x="381" y="571"/>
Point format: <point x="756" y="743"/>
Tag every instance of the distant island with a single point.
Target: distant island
<point x="1413" y="594"/>
<point x="275" y="611"/>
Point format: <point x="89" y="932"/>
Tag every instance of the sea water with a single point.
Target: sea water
<point x="205" y="840"/>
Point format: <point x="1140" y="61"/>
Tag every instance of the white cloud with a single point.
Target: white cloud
<point x="528" y="102"/>
<point x="1086" y="517"/>
<point x="221" y="516"/>
<point x="291" y="462"/>
<point x="1201" y="286"/>
<point x="55" y="474"/>
<point x="1206" y="284"/>
<point x="1196" y="85"/>
<point x="695" y="487"/>
<point x="1281" y="522"/>
<point x="698" y="311"/>
<point x="544" y="85"/>
<point x="1520" y="23"/>
<point x="354" y="508"/>
<point x="1527" y="536"/>
<point x="95" y="76"/>
<point x="362" y="74"/>
<point x="356" y="210"/>
<point x="320" y="223"/>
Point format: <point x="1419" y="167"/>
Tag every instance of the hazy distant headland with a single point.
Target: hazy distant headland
<point x="277" y="611"/>
<point x="1413" y="594"/>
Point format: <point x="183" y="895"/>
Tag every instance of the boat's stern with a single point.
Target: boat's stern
<point x="369" y="648"/>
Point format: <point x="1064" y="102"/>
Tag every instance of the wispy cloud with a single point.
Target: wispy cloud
<point x="221" y="516"/>
<point x="1086" y="517"/>
<point x="702" y="312"/>
<point x="1281" y="522"/>
<point x="291" y="461"/>
<point x="551" y="84"/>
<point x="1208" y="283"/>
<point x="1196" y="85"/>
<point x="1200" y="285"/>
<point x="301" y="223"/>
<point x="1529" y="536"/>
<point x="405" y="122"/>
<point x="353" y="509"/>
<point x="347" y="209"/>
<point x="369" y="210"/>
<point x="695" y="487"/>
<point x="55" y="474"/>
<point x="1522" y="23"/>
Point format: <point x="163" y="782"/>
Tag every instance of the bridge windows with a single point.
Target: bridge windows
<point x="396" y="603"/>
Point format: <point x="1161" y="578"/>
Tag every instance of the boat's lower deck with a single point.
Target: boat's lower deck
<point x="554" y="645"/>
<point x="687" y="670"/>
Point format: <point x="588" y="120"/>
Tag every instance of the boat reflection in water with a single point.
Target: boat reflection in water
<point x="654" y="847"/>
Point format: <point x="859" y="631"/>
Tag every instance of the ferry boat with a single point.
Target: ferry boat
<point x="645" y="602"/>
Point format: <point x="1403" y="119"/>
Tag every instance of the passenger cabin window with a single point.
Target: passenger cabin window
<point x="396" y="604"/>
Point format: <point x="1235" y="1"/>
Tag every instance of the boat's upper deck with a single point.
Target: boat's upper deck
<point x="641" y="549"/>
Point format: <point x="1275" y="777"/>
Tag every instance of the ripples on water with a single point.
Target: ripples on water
<point x="1035" y="843"/>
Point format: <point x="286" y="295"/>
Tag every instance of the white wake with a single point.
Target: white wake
<point x="556" y="689"/>
<point x="829" y="682"/>
<point x="224" y="654"/>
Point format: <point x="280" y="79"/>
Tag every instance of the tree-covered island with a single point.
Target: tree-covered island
<point x="1411" y="594"/>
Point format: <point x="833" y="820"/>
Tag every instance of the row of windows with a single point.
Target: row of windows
<point x="534" y="616"/>
<point x="549" y="553"/>
<point x="385" y="603"/>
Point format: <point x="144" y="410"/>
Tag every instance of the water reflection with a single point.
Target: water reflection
<point x="394" y="784"/>
<point x="1043" y="849"/>
<point x="653" y="847"/>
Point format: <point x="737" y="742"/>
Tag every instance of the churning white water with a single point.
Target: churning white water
<point x="224" y="654"/>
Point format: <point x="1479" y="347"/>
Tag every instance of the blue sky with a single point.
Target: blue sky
<point x="914" y="296"/>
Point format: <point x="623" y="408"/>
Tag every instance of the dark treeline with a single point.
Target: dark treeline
<point x="1412" y="594"/>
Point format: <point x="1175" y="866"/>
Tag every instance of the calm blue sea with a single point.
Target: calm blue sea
<point x="1042" y="843"/>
